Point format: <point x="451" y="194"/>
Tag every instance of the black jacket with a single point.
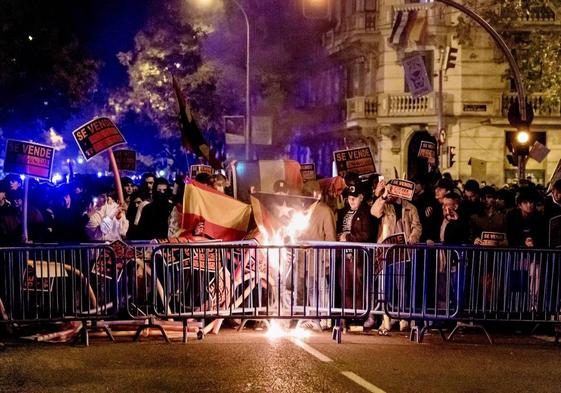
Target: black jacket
<point x="363" y="226"/>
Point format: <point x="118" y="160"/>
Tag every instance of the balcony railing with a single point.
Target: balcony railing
<point x="541" y="104"/>
<point x="361" y="108"/>
<point x="406" y="105"/>
<point x="542" y="14"/>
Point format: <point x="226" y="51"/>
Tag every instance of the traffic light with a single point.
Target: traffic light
<point x="451" y="57"/>
<point x="451" y="153"/>
<point x="316" y="9"/>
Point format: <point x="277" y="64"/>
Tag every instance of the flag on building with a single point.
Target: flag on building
<point x="191" y="136"/>
<point x="224" y="217"/>
<point x="262" y="174"/>
<point x="401" y="27"/>
<point x="277" y="213"/>
<point x="418" y="32"/>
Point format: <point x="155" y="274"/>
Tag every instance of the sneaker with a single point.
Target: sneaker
<point x="369" y="323"/>
<point x="403" y="325"/>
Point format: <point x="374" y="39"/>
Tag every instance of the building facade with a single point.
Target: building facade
<point x="370" y="104"/>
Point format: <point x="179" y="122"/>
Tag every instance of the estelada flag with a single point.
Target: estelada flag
<point x="224" y="218"/>
<point x="191" y="136"/>
<point x="262" y="175"/>
<point x="273" y="212"/>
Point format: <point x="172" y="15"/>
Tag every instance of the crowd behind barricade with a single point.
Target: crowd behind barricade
<point x="442" y="211"/>
<point x="87" y="209"/>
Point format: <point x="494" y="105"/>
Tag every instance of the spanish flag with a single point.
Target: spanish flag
<point x="224" y="218"/>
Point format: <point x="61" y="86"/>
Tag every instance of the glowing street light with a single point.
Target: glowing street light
<point x="247" y="131"/>
<point x="522" y="137"/>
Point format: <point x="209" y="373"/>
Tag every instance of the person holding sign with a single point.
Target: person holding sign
<point x="106" y="219"/>
<point x="488" y="220"/>
<point x="396" y="215"/>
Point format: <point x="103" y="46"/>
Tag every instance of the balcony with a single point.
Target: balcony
<point x="540" y="104"/>
<point x="406" y="105"/>
<point x="361" y="108"/>
<point x="351" y="28"/>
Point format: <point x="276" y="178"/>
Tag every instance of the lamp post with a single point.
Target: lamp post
<point x="247" y="128"/>
<point x="247" y="131"/>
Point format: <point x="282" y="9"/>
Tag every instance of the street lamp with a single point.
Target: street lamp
<point x="247" y="130"/>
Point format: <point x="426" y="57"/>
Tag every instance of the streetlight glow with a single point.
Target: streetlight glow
<point x="522" y="137"/>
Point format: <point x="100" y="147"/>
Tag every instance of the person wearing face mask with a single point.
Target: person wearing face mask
<point x="153" y="222"/>
<point x="488" y="219"/>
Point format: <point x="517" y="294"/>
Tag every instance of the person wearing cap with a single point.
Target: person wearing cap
<point x="487" y="219"/>
<point x="13" y="181"/>
<point x="354" y="224"/>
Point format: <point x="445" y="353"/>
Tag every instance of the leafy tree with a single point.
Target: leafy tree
<point x="537" y="51"/>
<point x="45" y="73"/>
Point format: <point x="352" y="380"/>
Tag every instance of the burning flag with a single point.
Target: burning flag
<point x="281" y="218"/>
<point x="224" y="217"/>
<point x="191" y="136"/>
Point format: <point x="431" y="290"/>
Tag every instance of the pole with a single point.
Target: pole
<point x="522" y="159"/>
<point x="247" y="131"/>
<point x="506" y="51"/>
<point x="440" y="119"/>
<point x="25" y="236"/>
<point x="117" y="176"/>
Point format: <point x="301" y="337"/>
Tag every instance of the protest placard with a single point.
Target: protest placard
<point x="398" y="238"/>
<point x="308" y="171"/>
<point x="427" y="150"/>
<point x="28" y="158"/>
<point x="126" y="160"/>
<point x="493" y="239"/>
<point x="234" y="130"/>
<point x="401" y="189"/>
<point x="96" y="136"/>
<point x="199" y="168"/>
<point x="357" y="160"/>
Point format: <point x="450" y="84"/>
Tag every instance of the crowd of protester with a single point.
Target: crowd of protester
<point x="87" y="209"/>
<point x="442" y="211"/>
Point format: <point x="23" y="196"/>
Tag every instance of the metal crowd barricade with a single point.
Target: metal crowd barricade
<point x="48" y="283"/>
<point x="244" y="280"/>
<point x="472" y="285"/>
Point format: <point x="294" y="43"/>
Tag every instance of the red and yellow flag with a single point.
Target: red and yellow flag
<point x="224" y="218"/>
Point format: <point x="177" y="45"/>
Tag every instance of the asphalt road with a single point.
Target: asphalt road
<point x="250" y="362"/>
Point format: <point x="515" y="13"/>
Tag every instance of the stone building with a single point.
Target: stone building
<point x="364" y="93"/>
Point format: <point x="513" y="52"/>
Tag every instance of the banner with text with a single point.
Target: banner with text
<point x="357" y="160"/>
<point x="401" y="188"/>
<point x="199" y="168"/>
<point x="96" y="136"/>
<point x="26" y="158"/>
<point x="126" y="160"/>
<point x="427" y="150"/>
<point x="308" y="171"/>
